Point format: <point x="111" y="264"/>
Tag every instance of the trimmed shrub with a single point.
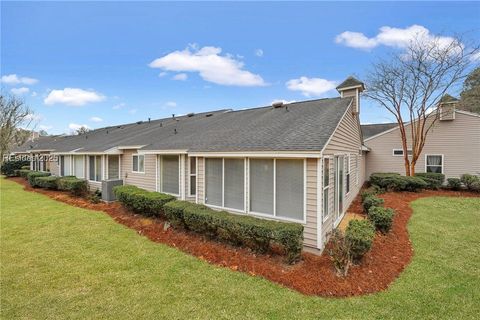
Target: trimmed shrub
<point x="36" y="174"/>
<point x="49" y="182"/>
<point x="254" y="233"/>
<point x="142" y="201"/>
<point x="76" y="186"/>
<point x="24" y="173"/>
<point x="338" y="249"/>
<point x="471" y="182"/>
<point x="396" y="182"/>
<point x="454" y="183"/>
<point x="382" y="218"/>
<point x="371" y="201"/>
<point x="9" y="168"/>
<point x="25" y="167"/>
<point x="174" y="212"/>
<point x="359" y="234"/>
<point x="433" y="180"/>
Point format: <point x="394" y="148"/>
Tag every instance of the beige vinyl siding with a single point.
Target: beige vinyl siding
<point x="310" y="228"/>
<point x="457" y="140"/>
<point x="142" y="180"/>
<point x="346" y="141"/>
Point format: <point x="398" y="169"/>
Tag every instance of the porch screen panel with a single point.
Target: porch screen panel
<point x="62" y="166"/>
<point x="113" y="165"/>
<point x="170" y="174"/>
<point x="67" y="162"/>
<point x="91" y="168"/>
<point x="78" y="166"/>
<point x="213" y="181"/>
<point x="98" y="168"/>
<point x="289" y="189"/>
<point x="261" y="186"/>
<point x="234" y="180"/>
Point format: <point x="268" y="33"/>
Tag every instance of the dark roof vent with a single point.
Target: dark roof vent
<point x="277" y="104"/>
<point x="191" y="114"/>
<point x="209" y="115"/>
<point x="149" y="120"/>
<point x="175" y="130"/>
<point x="139" y="122"/>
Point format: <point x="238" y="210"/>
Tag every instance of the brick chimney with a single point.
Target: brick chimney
<point x="352" y="87"/>
<point x="447" y="107"/>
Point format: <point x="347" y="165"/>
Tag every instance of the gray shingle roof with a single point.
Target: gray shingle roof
<point x="351" y="82"/>
<point x="369" y="130"/>
<point x="299" y="126"/>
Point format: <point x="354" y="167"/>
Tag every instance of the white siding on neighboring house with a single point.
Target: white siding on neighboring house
<point x="457" y="140"/>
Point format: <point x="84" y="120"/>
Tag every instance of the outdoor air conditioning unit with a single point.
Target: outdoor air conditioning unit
<point x="107" y="189"/>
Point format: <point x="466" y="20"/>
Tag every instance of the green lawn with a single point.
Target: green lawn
<point x="60" y="262"/>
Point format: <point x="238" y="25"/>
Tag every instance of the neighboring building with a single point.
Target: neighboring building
<point x="299" y="162"/>
<point x="452" y="146"/>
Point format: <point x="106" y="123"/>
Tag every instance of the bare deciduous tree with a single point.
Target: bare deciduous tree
<point x="411" y="83"/>
<point x="81" y="130"/>
<point x="13" y="114"/>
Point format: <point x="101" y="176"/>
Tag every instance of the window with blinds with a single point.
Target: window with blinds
<point x="289" y="191"/>
<point x="213" y="181"/>
<point x="170" y="174"/>
<point x="78" y="167"/>
<point x="95" y="168"/>
<point x="261" y="186"/>
<point x="138" y="163"/>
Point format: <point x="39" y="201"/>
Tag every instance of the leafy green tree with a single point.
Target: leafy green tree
<point x="470" y="96"/>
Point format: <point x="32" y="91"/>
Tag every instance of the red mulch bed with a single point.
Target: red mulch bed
<point x="314" y="275"/>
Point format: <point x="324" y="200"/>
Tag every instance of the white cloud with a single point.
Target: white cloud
<point x="162" y="74"/>
<point x="20" y="91"/>
<point x="282" y="101"/>
<point x="391" y="37"/>
<point x="44" y="127"/>
<point x="76" y="126"/>
<point x="33" y="117"/>
<point x="132" y="111"/>
<point x="211" y="66"/>
<point x="34" y="94"/>
<point x="171" y="104"/>
<point x="311" y="86"/>
<point x="96" y="119"/>
<point x="180" y="76"/>
<point x="12" y="79"/>
<point x="475" y="56"/>
<point x="73" y="97"/>
<point x="118" y="106"/>
<point x="259" y="52"/>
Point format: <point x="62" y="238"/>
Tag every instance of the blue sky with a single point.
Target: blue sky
<point x="104" y="63"/>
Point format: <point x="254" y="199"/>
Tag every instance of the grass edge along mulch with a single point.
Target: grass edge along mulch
<point x="314" y="275"/>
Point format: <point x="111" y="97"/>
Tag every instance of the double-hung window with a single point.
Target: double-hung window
<point x="326" y="186"/>
<point x="95" y="168"/>
<point x="225" y="183"/>
<point x="434" y="163"/>
<point x="138" y="163"/>
<point x="277" y="188"/>
<point x="193" y="176"/>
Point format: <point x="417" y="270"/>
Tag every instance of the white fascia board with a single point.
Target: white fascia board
<point x="259" y="154"/>
<point x="162" y="151"/>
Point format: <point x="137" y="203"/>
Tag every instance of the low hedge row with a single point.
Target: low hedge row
<point x="257" y="234"/>
<point x="454" y="183"/>
<point x="142" y="201"/>
<point x="73" y="184"/>
<point x="471" y="182"/>
<point x="397" y="182"/>
<point x="433" y="180"/>
<point x="23" y="173"/>
<point x="33" y="175"/>
<point x="10" y="168"/>
<point x="382" y="218"/>
<point x="49" y="182"/>
<point x="371" y="201"/>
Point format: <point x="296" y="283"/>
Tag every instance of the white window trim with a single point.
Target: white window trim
<point x="95" y="168"/>
<point x="138" y="163"/>
<point x="274" y="216"/>
<point x="160" y="180"/>
<point x="244" y="211"/>
<point x="400" y="155"/>
<point x="190" y="175"/>
<point x="325" y="217"/>
<point x="435" y="155"/>
<point x="356" y="169"/>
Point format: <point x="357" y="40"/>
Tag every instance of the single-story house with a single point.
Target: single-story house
<point x="452" y="146"/>
<point x="300" y="162"/>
